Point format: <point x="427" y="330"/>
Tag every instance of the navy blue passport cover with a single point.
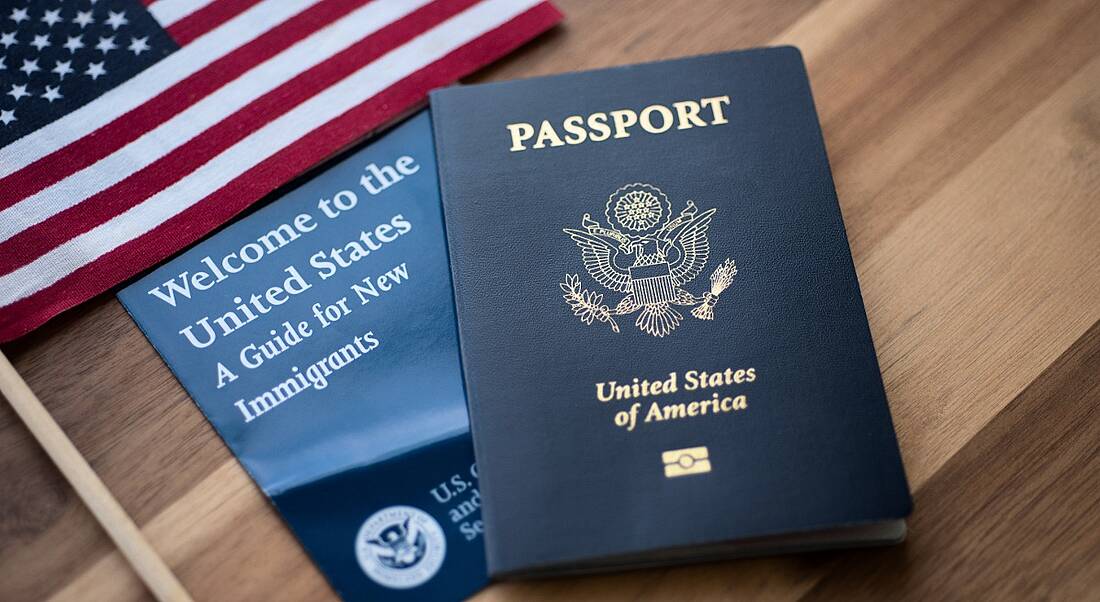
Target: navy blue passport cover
<point x="702" y="258"/>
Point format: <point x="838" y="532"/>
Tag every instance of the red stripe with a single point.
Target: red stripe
<point x="91" y="148"/>
<point x="190" y="225"/>
<point x="206" y="18"/>
<point x="35" y="241"/>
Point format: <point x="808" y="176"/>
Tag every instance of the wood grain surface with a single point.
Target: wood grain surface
<point x="965" y="142"/>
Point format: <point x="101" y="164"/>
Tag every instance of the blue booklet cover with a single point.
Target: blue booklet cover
<point x="318" y="337"/>
<point x="665" y="346"/>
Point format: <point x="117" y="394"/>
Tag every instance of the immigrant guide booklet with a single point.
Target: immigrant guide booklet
<point x="666" y="352"/>
<point x="318" y="337"/>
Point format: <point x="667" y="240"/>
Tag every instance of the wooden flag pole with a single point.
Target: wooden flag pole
<point x="129" y="539"/>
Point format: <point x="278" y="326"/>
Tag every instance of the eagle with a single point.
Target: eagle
<point x="399" y="546"/>
<point x="651" y="269"/>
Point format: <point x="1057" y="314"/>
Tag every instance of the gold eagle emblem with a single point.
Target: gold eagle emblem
<point x="646" y="254"/>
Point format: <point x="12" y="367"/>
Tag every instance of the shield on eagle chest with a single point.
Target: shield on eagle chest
<point x="652" y="284"/>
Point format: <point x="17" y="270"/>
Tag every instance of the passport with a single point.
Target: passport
<point x="665" y="348"/>
<point x="318" y="337"/>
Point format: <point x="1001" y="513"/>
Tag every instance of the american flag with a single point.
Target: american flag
<point x="129" y="129"/>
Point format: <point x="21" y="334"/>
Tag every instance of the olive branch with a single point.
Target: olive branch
<point x="586" y="305"/>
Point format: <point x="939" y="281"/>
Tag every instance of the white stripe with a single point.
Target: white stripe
<point x="167" y="12"/>
<point x="368" y="81"/>
<point x="211" y="110"/>
<point x="144" y="86"/>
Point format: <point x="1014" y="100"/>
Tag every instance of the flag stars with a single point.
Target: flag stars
<point x="52" y="17"/>
<point x="30" y="66"/>
<point x="41" y="41"/>
<point x="139" y="45"/>
<point x="62" y="68"/>
<point x="95" y="70"/>
<point x="116" y="20"/>
<point x="106" y="45"/>
<point x="51" y="94"/>
<point x="19" y="15"/>
<point x="73" y="44"/>
<point x="7" y="39"/>
<point x="7" y="116"/>
<point x="18" y="91"/>
<point x="83" y="18"/>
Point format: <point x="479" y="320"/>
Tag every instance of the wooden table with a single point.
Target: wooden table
<point x="965" y="141"/>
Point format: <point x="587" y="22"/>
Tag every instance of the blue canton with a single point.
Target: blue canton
<point x="58" y="55"/>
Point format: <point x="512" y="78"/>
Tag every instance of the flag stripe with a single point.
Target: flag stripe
<point x="185" y="125"/>
<point x="147" y="84"/>
<point x="152" y="177"/>
<point x="167" y="12"/>
<point x="189" y="28"/>
<point x="168" y="238"/>
<point x="241" y="164"/>
<point x="129" y="126"/>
